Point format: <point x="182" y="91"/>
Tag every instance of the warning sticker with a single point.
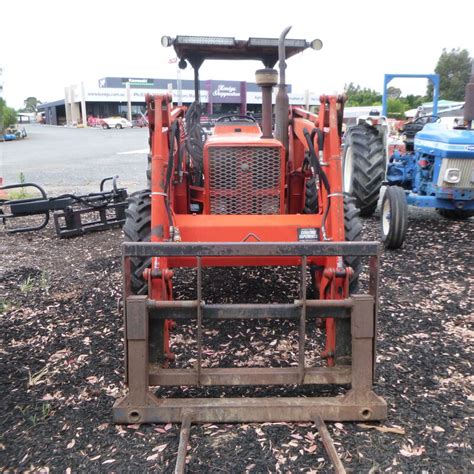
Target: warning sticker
<point x="309" y="234"/>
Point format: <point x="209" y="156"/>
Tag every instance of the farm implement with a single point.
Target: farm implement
<point x="247" y="195"/>
<point x="73" y="214"/>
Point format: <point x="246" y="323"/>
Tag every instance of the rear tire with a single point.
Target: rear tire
<point x="364" y="166"/>
<point x="460" y="214"/>
<point x="394" y="217"/>
<point x="118" y="126"/>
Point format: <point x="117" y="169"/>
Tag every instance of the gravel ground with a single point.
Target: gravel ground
<point x="61" y="362"/>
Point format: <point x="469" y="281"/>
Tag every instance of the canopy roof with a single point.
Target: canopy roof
<point x="197" y="49"/>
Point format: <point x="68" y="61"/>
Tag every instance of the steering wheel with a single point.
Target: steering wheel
<point x="427" y="119"/>
<point x="236" y="118"/>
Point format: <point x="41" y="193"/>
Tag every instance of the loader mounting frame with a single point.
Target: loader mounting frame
<point x="140" y="405"/>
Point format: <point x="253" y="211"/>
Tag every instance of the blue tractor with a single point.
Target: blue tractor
<point x="436" y="171"/>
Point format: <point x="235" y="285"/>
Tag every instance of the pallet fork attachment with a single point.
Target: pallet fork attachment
<point x="68" y="210"/>
<point x="186" y="422"/>
<point x="140" y="405"/>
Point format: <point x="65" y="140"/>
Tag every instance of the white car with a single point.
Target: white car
<point x="115" y="122"/>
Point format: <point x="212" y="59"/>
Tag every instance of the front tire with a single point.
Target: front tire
<point x="137" y="228"/>
<point x="353" y="230"/>
<point x="118" y="126"/>
<point x="364" y="166"/>
<point x="394" y="217"/>
<point x="311" y="204"/>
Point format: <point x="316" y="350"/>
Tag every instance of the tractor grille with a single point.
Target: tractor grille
<point x="244" y="180"/>
<point x="466" y="168"/>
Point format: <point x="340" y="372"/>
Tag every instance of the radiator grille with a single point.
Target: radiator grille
<point x="244" y="180"/>
<point x="465" y="166"/>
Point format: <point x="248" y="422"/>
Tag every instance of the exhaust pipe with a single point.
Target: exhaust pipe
<point x="469" y="101"/>
<point x="266" y="79"/>
<point x="282" y="100"/>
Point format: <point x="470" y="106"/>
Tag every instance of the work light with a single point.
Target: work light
<point x="452" y="175"/>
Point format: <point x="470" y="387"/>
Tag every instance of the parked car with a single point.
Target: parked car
<point x="115" y="122"/>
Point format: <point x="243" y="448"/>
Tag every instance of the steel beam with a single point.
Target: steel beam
<point x="250" y="376"/>
<point x="248" y="249"/>
<point x="254" y="410"/>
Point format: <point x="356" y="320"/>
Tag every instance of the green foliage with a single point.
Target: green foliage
<point x="45" y="281"/>
<point x="36" y="414"/>
<point x="397" y="105"/>
<point x="396" y="108"/>
<point x="30" y="104"/>
<point x="27" y="285"/>
<point x="394" y="92"/>
<point x="21" y="194"/>
<point x="356" y="96"/>
<point x="454" y="68"/>
<point x="5" y="305"/>
<point x="7" y="115"/>
<point x="414" y="101"/>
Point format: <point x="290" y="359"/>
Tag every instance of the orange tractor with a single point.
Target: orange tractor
<point x="247" y="195"/>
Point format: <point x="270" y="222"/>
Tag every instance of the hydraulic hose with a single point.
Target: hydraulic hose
<point x="195" y="138"/>
<point x="315" y="163"/>
<point x="174" y="134"/>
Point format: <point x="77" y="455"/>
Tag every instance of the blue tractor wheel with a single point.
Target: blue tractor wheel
<point x="394" y="217"/>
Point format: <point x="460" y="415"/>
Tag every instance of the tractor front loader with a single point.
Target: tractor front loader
<point x="247" y="196"/>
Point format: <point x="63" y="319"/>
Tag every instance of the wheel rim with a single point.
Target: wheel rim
<point x="347" y="177"/>
<point x="386" y="217"/>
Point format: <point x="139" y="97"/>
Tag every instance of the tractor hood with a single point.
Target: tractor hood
<point x="436" y="140"/>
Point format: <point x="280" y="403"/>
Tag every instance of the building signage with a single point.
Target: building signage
<point x="137" y="95"/>
<point x="222" y="91"/>
<point x="138" y="82"/>
<point x="229" y="92"/>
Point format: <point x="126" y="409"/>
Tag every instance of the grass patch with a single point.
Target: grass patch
<point x="27" y="285"/>
<point x="5" y="305"/>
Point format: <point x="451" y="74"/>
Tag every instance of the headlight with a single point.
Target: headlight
<point x="166" y="41"/>
<point x="452" y="175"/>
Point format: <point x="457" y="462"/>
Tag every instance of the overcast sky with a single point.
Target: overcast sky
<point x="46" y="45"/>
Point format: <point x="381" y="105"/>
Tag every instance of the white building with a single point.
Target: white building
<point x="125" y="96"/>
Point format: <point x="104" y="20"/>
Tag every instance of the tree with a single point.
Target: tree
<point x="7" y="115"/>
<point x="454" y="68"/>
<point x="356" y="96"/>
<point x="30" y="104"/>
<point x="394" y="92"/>
<point x="396" y="108"/>
<point x="414" y="101"/>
